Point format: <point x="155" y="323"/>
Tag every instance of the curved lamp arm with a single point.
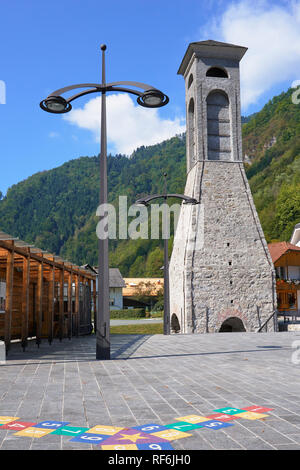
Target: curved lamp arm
<point x="147" y="199"/>
<point x="100" y="87"/>
<point x="144" y="91"/>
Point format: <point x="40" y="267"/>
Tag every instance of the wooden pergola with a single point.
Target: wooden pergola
<point x="45" y="296"/>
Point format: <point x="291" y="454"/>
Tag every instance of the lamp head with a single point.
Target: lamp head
<point x="153" y="99"/>
<point x="55" y="104"/>
<point x="141" y="203"/>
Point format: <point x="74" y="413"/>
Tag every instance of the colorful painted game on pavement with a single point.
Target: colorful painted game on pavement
<point x="150" y="436"/>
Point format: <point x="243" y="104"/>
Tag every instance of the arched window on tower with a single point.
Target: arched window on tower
<point x="191" y="132"/>
<point x="217" y="72"/>
<point x="218" y="126"/>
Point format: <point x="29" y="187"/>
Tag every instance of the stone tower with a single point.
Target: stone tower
<point x="221" y="274"/>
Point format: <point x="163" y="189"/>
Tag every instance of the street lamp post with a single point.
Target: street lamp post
<point x="166" y="269"/>
<point x="146" y="201"/>
<point x="147" y="96"/>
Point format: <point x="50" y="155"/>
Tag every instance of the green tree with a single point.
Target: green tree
<point x="288" y="209"/>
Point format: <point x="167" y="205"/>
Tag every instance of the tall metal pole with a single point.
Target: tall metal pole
<point x="166" y="267"/>
<point x="103" y="317"/>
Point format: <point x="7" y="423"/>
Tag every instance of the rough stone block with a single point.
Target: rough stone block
<point x="2" y="353"/>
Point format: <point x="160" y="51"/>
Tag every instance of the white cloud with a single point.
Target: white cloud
<point x="272" y="35"/>
<point x="128" y="125"/>
<point x="53" y="134"/>
<point x="295" y="84"/>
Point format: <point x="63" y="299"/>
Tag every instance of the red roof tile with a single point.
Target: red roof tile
<point x="278" y="249"/>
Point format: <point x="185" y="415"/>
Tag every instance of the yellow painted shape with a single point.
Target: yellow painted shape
<point x="120" y="447"/>
<point x="33" y="432"/>
<point x="109" y="430"/>
<point x="193" y="419"/>
<point x="251" y="415"/>
<point x="133" y="437"/>
<point x="171" y="434"/>
<point x="7" y="419"/>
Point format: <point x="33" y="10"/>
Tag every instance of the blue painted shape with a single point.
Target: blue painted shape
<point x="150" y="428"/>
<point x="89" y="438"/>
<point x="213" y="424"/>
<point x="160" y="446"/>
<point x="51" y="424"/>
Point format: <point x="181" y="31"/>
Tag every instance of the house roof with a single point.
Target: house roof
<point x="115" y="277"/>
<point x="22" y="248"/>
<point x="278" y="249"/>
<point x="149" y="284"/>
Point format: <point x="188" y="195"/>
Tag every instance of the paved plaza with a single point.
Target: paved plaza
<point x="156" y="379"/>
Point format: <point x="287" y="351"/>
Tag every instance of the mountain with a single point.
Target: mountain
<point x="56" y="209"/>
<point x="271" y="144"/>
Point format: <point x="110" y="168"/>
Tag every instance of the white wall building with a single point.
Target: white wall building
<point x="116" y="285"/>
<point x="295" y="240"/>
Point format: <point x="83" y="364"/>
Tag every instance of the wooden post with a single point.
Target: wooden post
<point x="95" y="303"/>
<point x="61" y="303"/>
<point x="77" y="281"/>
<point x="70" y="280"/>
<point x="9" y="296"/>
<point x="83" y="311"/>
<point x="39" y="302"/>
<point x="25" y="299"/>
<point x="51" y="303"/>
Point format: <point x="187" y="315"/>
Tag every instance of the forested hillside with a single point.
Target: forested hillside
<point x="55" y="209"/>
<point x="271" y="139"/>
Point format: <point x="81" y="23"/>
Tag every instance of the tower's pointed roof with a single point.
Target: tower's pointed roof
<point x="211" y="48"/>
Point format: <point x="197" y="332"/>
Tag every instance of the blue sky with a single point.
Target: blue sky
<point x="47" y="45"/>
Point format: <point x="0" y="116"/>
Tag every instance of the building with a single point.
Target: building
<point x="221" y="272"/>
<point x="295" y="239"/>
<point x="41" y="295"/>
<point x="286" y="259"/>
<point x="142" y="291"/>
<point x="116" y="285"/>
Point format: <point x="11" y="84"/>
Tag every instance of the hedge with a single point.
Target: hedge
<point x="128" y="313"/>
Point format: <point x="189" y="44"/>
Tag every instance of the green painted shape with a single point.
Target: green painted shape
<point x="229" y="411"/>
<point x="183" y="426"/>
<point x="71" y="431"/>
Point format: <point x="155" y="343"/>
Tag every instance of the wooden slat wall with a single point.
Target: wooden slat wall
<point x="33" y="306"/>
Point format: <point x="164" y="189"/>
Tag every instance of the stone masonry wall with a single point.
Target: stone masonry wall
<point x="220" y="265"/>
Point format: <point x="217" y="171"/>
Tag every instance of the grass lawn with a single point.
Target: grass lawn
<point x="153" y="329"/>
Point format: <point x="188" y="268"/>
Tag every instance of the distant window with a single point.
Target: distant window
<point x="2" y="295"/>
<point x="191" y="79"/>
<point x="282" y="272"/>
<point x="191" y="132"/>
<point x="292" y="299"/>
<point x="217" y="72"/>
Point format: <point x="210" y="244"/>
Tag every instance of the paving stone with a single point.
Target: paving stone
<point x="288" y="447"/>
<point x="156" y="379"/>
